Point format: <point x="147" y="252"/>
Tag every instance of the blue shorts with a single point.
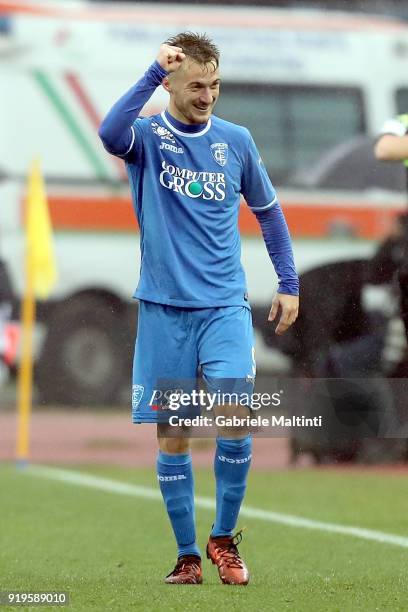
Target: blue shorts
<point x="174" y="343"/>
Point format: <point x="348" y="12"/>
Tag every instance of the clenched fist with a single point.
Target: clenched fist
<point x="170" y="58"/>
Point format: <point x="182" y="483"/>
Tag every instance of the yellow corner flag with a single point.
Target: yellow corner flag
<point x="40" y="277"/>
<point x="40" y="253"/>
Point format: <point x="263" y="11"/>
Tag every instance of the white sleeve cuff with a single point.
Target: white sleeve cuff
<point x="394" y="127"/>
<point x="256" y="208"/>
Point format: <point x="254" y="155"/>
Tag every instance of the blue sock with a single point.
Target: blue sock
<point x="231" y="466"/>
<point x="175" y="476"/>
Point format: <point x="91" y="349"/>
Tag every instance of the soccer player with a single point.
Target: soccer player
<point x="9" y="331"/>
<point x="187" y="170"/>
<point x="392" y="145"/>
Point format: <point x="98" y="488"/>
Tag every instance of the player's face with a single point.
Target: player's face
<point x="194" y="90"/>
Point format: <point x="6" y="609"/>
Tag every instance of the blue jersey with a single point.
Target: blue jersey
<point x="186" y="187"/>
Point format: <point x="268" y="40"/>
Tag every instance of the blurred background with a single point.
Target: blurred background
<point x="314" y="82"/>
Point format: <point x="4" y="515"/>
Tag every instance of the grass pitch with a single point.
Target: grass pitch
<point x="111" y="551"/>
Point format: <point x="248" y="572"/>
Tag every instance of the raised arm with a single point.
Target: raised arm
<point x="392" y="144"/>
<point x="116" y="131"/>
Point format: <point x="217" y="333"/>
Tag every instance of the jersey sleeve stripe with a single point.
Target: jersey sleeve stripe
<point x="131" y="143"/>
<point x="264" y="207"/>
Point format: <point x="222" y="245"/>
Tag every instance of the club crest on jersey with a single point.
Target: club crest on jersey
<point x="162" y="132"/>
<point x="219" y="152"/>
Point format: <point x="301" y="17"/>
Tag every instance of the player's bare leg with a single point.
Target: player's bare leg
<point x="173" y="445"/>
<point x="231" y="465"/>
<point x="175" y="476"/>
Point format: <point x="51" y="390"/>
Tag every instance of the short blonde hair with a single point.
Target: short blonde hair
<point x="199" y="47"/>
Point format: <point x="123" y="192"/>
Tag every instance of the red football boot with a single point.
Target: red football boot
<point x="223" y="552"/>
<point x="187" y="571"/>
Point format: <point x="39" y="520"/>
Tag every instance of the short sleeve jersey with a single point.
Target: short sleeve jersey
<point x="186" y="189"/>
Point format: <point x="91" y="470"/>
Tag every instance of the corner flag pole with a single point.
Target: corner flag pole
<point x="25" y="372"/>
<point x="40" y="277"/>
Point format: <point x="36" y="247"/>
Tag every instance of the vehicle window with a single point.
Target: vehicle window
<point x="292" y="125"/>
<point x="351" y="166"/>
<point x="402" y="101"/>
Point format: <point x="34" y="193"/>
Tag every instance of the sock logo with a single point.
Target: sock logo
<point x="229" y="460"/>
<point x="171" y="478"/>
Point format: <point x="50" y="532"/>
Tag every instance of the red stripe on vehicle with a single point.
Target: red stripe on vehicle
<point x="86" y="103"/>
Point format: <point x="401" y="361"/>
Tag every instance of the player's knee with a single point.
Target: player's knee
<point x="231" y="428"/>
<point x="172" y="445"/>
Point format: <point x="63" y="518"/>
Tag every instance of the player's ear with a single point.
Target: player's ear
<point x="166" y="84"/>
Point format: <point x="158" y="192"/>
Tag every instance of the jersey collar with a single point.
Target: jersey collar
<point x="182" y="129"/>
